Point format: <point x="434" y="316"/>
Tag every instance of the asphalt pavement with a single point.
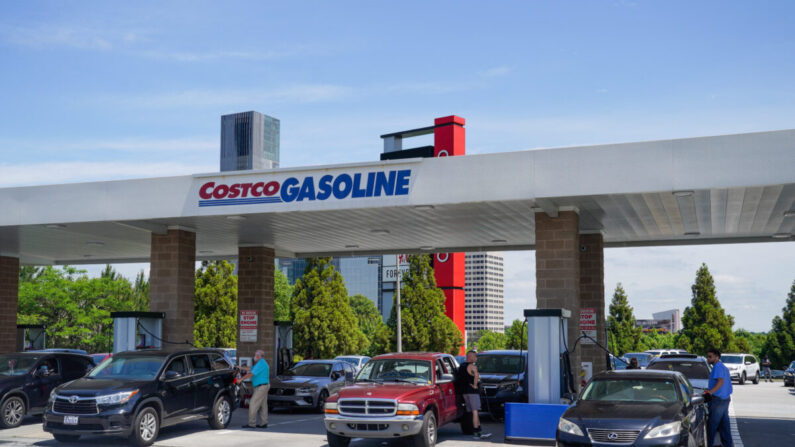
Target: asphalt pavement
<point x="764" y="417"/>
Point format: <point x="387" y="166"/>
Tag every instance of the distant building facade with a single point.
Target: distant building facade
<point x="666" y="321"/>
<point x="249" y="140"/>
<point x="484" y="292"/>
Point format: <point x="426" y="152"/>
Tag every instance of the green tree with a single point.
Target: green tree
<point x="282" y="297"/>
<point x="141" y="291"/>
<point x="705" y="324"/>
<point x="215" y="305"/>
<point x="490" y="340"/>
<point x="75" y="308"/>
<point x="780" y="341"/>
<point x="656" y="339"/>
<point x="371" y="324"/>
<point x="516" y="335"/>
<point x="624" y="335"/>
<point x="325" y="325"/>
<point x="425" y="325"/>
<point x="755" y="341"/>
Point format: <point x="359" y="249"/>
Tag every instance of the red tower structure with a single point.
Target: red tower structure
<point x="449" y="140"/>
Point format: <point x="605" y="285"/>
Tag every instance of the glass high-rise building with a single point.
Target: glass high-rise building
<point x="484" y="293"/>
<point x="249" y="140"/>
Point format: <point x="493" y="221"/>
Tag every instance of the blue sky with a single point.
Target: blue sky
<point x="106" y="90"/>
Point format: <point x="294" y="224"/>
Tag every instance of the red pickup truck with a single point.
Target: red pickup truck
<point x="396" y="395"/>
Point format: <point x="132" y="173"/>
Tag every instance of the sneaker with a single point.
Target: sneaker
<point x="248" y="426"/>
<point x="482" y="435"/>
<point x="262" y="426"/>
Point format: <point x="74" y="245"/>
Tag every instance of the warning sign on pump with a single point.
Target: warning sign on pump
<point x="248" y="325"/>
<point x="588" y="324"/>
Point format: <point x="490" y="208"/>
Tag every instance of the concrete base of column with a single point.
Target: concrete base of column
<point x="172" y="282"/>
<point x="255" y="293"/>
<point x="9" y="296"/>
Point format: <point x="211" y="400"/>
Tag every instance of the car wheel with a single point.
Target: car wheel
<point x="742" y="378"/>
<point x="466" y="424"/>
<point x="756" y="378"/>
<point x="321" y="400"/>
<point x="146" y="426"/>
<point x="337" y="441"/>
<point x="66" y="438"/>
<point x="222" y="413"/>
<point x="427" y="436"/>
<point x="13" y="411"/>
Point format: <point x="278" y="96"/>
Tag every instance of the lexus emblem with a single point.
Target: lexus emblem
<point x="612" y="436"/>
<point x="73" y="399"/>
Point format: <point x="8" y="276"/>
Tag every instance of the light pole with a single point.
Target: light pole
<point x="397" y="303"/>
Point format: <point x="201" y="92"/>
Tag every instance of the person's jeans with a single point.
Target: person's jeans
<point x="768" y="376"/>
<point x="719" y="422"/>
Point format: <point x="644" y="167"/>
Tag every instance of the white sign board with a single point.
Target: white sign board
<point x="389" y="270"/>
<point x="248" y="325"/>
<point x="588" y="324"/>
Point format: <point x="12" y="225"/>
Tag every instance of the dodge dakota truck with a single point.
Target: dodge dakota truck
<point x="396" y="395"/>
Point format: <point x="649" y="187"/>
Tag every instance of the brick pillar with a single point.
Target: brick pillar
<point x="592" y="295"/>
<point x="172" y="279"/>
<point x="558" y="271"/>
<point x="255" y="293"/>
<point x="9" y="293"/>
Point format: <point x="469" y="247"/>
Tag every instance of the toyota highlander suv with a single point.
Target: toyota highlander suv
<point x="742" y="367"/>
<point x="135" y="393"/>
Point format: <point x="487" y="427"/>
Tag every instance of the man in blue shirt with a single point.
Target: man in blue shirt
<point x="260" y="379"/>
<point x="720" y="388"/>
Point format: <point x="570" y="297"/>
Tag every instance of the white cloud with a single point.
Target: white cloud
<point x="495" y="72"/>
<point x="48" y="36"/>
<point x="213" y="56"/>
<point x="85" y="171"/>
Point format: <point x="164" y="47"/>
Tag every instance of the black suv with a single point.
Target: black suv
<point x="135" y="393"/>
<point x="26" y="380"/>
<point x="502" y="380"/>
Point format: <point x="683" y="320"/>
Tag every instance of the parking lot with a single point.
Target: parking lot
<point x="764" y="415"/>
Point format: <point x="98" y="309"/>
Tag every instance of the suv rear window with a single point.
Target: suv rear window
<point x="691" y="370"/>
<point x="733" y="359"/>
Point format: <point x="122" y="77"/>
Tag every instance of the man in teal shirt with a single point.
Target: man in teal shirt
<point x="260" y="379"/>
<point x="720" y="388"/>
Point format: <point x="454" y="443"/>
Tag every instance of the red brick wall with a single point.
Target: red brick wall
<point x="9" y="293"/>
<point x="558" y="270"/>
<point x="255" y="292"/>
<point x="172" y="282"/>
<point x="592" y="294"/>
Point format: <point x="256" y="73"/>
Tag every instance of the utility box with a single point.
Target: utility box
<point x="137" y="330"/>
<point x="31" y="337"/>
<point x="546" y="341"/>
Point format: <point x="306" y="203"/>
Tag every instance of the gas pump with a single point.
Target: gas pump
<point x="137" y="330"/>
<point x="548" y="371"/>
<point x="31" y="337"/>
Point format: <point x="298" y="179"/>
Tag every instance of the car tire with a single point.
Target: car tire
<point x="66" y="438"/>
<point x="146" y="427"/>
<point x="427" y="435"/>
<point x="467" y="427"/>
<point x="221" y="414"/>
<point x="756" y="378"/>
<point x="12" y="412"/>
<point x="742" y="378"/>
<point x="337" y="441"/>
<point x="321" y="401"/>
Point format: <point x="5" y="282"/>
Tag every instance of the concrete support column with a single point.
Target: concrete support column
<point x="558" y="271"/>
<point x="255" y="293"/>
<point x="592" y="295"/>
<point x="172" y="279"/>
<point x="9" y="293"/>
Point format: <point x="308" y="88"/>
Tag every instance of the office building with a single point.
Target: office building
<point x="484" y="292"/>
<point x="249" y="140"/>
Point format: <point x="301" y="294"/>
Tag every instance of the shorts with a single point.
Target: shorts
<point x="472" y="402"/>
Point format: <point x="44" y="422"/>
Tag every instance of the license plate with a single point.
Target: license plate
<point x="70" y="420"/>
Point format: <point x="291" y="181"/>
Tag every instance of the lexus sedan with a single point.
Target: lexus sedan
<point x="637" y="408"/>
<point x="309" y="383"/>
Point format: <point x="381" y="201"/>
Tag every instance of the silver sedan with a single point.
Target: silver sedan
<point x="309" y="383"/>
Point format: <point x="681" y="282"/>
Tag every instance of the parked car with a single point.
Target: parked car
<point x="503" y="379"/>
<point x="643" y="358"/>
<point x="136" y="393"/>
<point x="231" y="354"/>
<point x="789" y="375"/>
<point x="67" y="350"/>
<point x="776" y="373"/>
<point x="742" y="367"/>
<point x="618" y="363"/>
<point x="406" y="395"/>
<point x="660" y="352"/>
<point x="635" y="407"/>
<point x="26" y="380"/>
<point x="696" y="369"/>
<point x="356" y="360"/>
<point x="309" y="383"/>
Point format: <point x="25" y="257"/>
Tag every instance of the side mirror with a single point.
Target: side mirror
<point x="172" y="375"/>
<point x="446" y="378"/>
<point x="747" y="363"/>
<point x="698" y="399"/>
<point x="335" y="375"/>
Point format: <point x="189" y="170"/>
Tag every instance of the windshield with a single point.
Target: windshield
<point x="396" y="370"/>
<point x="631" y="390"/>
<point x="792" y="365"/>
<point x="16" y="365"/>
<point x="691" y="370"/>
<point x="501" y="364"/>
<point x="309" y="370"/>
<point x="643" y="358"/>
<point x="731" y="359"/>
<point x="139" y="367"/>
